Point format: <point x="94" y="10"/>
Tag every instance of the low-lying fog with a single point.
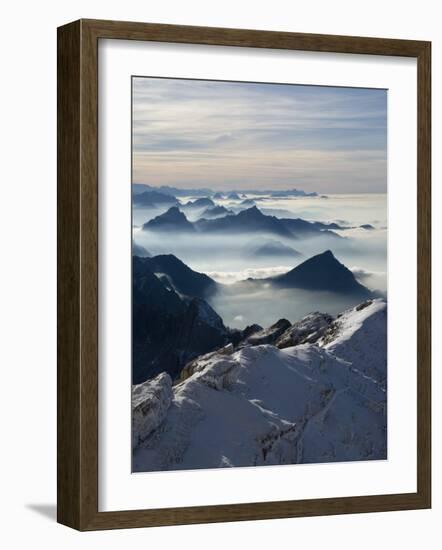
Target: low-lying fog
<point x="246" y="304"/>
<point x="229" y="259"/>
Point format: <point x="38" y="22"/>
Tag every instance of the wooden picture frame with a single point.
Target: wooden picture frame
<point x="78" y="274"/>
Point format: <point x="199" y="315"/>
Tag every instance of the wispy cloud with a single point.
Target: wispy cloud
<point x="224" y="135"/>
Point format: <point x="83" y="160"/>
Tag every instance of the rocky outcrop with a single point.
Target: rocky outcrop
<point x="202" y="361"/>
<point x="150" y="403"/>
<point x="306" y="331"/>
<point x="269" y="335"/>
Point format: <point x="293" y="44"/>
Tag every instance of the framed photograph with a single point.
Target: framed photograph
<point x="237" y="212"/>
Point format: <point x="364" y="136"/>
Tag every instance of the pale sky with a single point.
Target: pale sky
<point x="231" y="135"/>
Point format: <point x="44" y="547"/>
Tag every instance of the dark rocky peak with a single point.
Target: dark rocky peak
<point x="268" y="335"/>
<point x="171" y="220"/>
<point x="322" y="272"/>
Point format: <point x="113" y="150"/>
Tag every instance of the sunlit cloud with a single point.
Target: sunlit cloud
<point x="244" y="135"/>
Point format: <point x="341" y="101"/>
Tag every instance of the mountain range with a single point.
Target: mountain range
<point x="173" y="191"/>
<point x="250" y="220"/>
<point x="173" y="322"/>
<point x="152" y="199"/>
<point x="322" y="272"/>
<point x="206" y="192"/>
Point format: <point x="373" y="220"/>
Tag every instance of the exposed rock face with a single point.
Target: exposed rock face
<point x="306" y="331"/>
<point x="150" y="403"/>
<point x="236" y="336"/>
<point x="269" y="335"/>
<point x="182" y="279"/>
<point x="251" y="329"/>
<point x="168" y="329"/>
<point x="202" y="361"/>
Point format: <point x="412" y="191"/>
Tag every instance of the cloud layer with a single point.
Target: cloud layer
<point x="226" y="135"/>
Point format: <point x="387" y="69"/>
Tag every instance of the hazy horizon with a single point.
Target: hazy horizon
<point x="235" y="135"/>
<point x="249" y="190"/>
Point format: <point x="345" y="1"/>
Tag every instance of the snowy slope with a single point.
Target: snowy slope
<point x="359" y="335"/>
<point x="263" y="405"/>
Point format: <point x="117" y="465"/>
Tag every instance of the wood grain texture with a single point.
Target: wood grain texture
<point x="78" y="274"/>
<point x="252" y="38"/>
<point x="68" y="276"/>
<point x="424" y="274"/>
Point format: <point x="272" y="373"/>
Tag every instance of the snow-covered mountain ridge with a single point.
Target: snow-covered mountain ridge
<point x="320" y="401"/>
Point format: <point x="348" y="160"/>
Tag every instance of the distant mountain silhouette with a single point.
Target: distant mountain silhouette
<point x="247" y="202"/>
<point x="172" y="220"/>
<point x="273" y="248"/>
<point x="216" y="212"/>
<point x="250" y="220"/>
<point x="300" y="226"/>
<point x="292" y="193"/>
<point x="138" y="250"/>
<point x="205" y="192"/>
<point x="180" y="277"/>
<point x="203" y="202"/>
<point x="322" y="272"/>
<point x="152" y="199"/>
<point x="233" y="196"/>
<point x="174" y="191"/>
